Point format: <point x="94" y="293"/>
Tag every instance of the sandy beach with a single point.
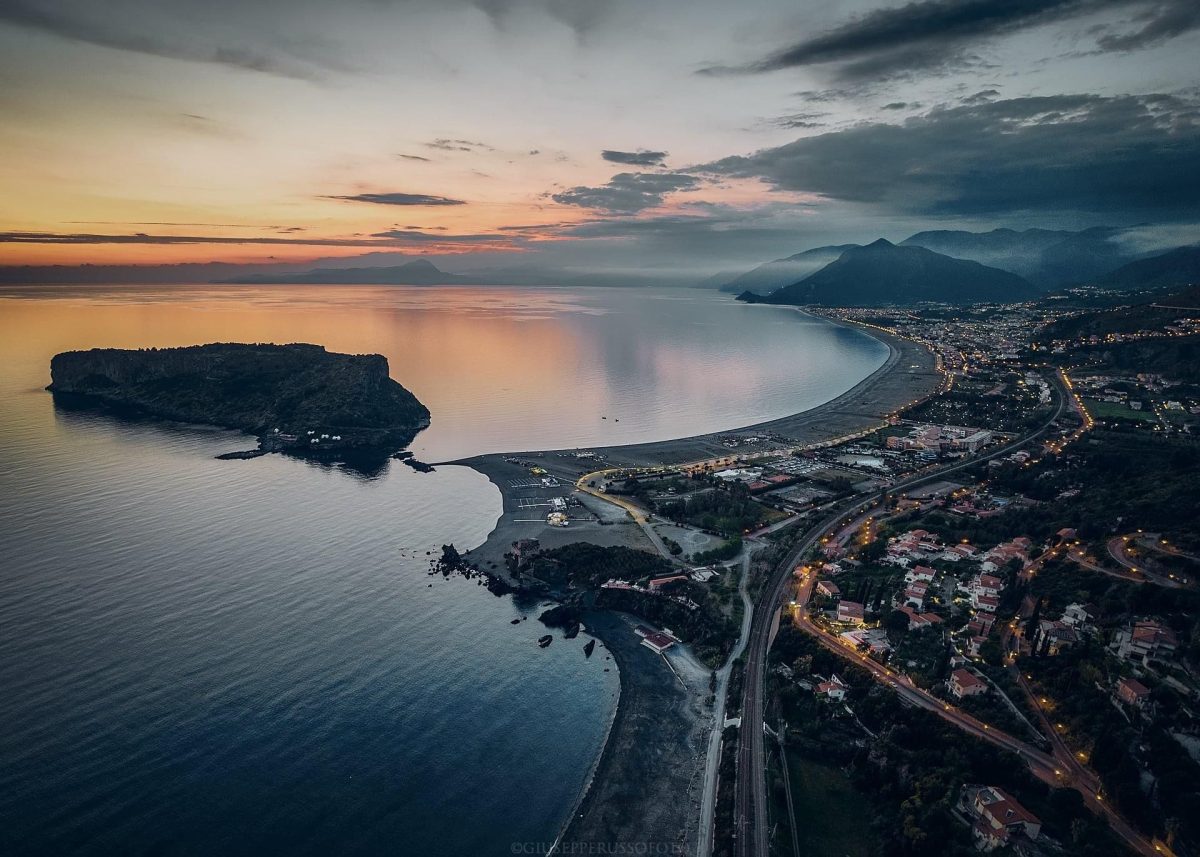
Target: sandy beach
<point x="646" y="784"/>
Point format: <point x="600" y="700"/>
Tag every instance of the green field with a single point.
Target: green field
<point x="831" y="816"/>
<point x="1113" y="410"/>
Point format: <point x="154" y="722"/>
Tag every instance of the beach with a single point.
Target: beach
<point x="645" y="786"/>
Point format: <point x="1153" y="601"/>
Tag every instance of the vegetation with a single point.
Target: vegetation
<point x="911" y="765"/>
<point x="582" y="564"/>
<point x="257" y="388"/>
<point x="729" y="512"/>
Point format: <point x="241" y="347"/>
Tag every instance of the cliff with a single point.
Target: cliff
<point x="288" y="395"/>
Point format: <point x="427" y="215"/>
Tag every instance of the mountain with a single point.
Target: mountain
<point x="417" y="273"/>
<point x="1007" y="249"/>
<point x="884" y="273"/>
<point x="774" y="275"/>
<point x="1047" y="257"/>
<point x="1178" y="267"/>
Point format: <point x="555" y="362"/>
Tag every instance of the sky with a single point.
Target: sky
<point x="581" y="135"/>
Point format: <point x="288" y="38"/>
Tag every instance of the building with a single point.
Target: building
<point x="1132" y="692"/>
<point x="999" y="817"/>
<point x="524" y="550"/>
<point x="964" y="683"/>
<point x="1146" y="641"/>
<point x="659" y="582"/>
<point x="656" y="641"/>
<point x="986" y="603"/>
<point x="1052" y="637"/>
<point x="833" y="690"/>
<point x="1080" y="615"/>
<point x="850" y="612"/>
<point x="829" y="589"/>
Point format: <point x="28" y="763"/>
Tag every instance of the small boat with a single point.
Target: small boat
<point x="545" y="641"/>
<point x="588" y="648"/>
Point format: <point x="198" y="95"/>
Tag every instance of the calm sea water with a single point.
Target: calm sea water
<point x="202" y="657"/>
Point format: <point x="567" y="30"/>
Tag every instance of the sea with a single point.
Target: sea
<point x="205" y="657"/>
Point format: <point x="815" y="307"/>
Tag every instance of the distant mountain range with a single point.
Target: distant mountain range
<point x="783" y="272"/>
<point x="1177" y="267"/>
<point x="883" y="273"/>
<point x="1048" y="258"/>
<point x="417" y="273"/>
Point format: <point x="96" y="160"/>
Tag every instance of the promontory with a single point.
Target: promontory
<point x="298" y="397"/>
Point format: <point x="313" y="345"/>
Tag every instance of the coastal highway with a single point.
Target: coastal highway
<point x="750" y="803"/>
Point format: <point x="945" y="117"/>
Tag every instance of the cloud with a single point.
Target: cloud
<point x="389" y="238"/>
<point x="640" y="158"/>
<point x="410" y="235"/>
<point x="1160" y="23"/>
<point x="79" y="22"/>
<point x="800" y="120"/>
<point x="399" y="199"/>
<point x="446" y="144"/>
<point x="934" y="36"/>
<point x="627" y="193"/>
<point x="1117" y="156"/>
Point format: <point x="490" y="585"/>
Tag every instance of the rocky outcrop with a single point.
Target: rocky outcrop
<point x="294" y="397"/>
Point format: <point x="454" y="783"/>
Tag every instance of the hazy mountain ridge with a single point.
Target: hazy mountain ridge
<point x="884" y="273"/>
<point x="420" y="272"/>
<point x="782" y="272"/>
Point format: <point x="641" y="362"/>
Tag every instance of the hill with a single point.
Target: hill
<point x="1047" y="257"/>
<point x="883" y="273"/>
<point x="774" y="275"/>
<point x="281" y="393"/>
<point x="1178" y="267"/>
<point x="417" y="273"/>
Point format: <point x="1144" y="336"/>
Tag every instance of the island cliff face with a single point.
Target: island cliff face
<point x="294" y="397"/>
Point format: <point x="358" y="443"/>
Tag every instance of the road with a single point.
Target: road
<point x="708" y="799"/>
<point x="1118" y="549"/>
<point x="635" y="511"/>
<point x="750" y="811"/>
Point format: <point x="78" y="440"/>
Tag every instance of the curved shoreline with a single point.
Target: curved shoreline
<point x="909" y="373"/>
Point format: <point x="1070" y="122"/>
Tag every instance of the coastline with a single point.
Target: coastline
<point x="642" y="758"/>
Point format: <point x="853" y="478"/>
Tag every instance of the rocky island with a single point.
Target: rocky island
<point x="296" y="398"/>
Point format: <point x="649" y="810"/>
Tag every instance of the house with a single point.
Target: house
<point x="1132" y="692"/>
<point x="829" y="589"/>
<point x="914" y="596"/>
<point x="850" y="612"/>
<point x="922" y="573"/>
<point x="999" y="817"/>
<point x="917" y="621"/>
<point x="964" y="683"/>
<point x="986" y="603"/>
<point x="1146" y="641"/>
<point x="1080" y="615"/>
<point x="1052" y="637"/>
<point x="833" y="690"/>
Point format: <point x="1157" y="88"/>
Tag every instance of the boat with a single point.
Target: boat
<point x="545" y="641"/>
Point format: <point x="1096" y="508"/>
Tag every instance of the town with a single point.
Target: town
<point x="1003" y="570"/>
